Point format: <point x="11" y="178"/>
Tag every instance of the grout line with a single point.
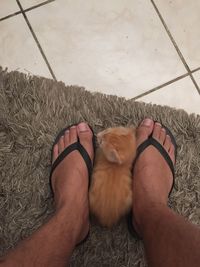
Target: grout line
<point x="11" y="15"/>
<point x="176" y="46"/>
<point x="192" y="71"/>
<point x="38" y="5"/>
<point x="165" y="84"/>
<point x="171" y="37"/>
<point x="160" y="86"/>
<point x="195" y="83"/>
<point x="26" y="10"/>
<point x="36" y="40"/>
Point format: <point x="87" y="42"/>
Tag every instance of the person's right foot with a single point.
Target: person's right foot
<point x="152" y="177"/>
<point x="70" y="178"/>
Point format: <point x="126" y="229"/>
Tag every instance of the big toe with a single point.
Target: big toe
<point x="144" y="130"/>
<point x="85" y="135"/>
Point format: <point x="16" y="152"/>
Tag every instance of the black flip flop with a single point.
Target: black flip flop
<point x="163" y="152"/>
<point x="75" y="146"/>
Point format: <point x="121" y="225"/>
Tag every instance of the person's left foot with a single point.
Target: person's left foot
<point x="70" y="179"/>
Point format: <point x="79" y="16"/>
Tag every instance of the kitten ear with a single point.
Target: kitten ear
<point x="113" y="156"/>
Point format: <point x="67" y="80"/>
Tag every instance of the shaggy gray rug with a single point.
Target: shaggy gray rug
<point x="32" y="111"/>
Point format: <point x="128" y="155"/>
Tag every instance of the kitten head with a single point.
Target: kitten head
<point x="118" y="144"/>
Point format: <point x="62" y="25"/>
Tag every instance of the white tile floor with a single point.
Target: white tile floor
<point x="27" y="3"/>
<point x="197" y="77"/>
<point x="8" y="7"/>
<point x="142" y="49"/>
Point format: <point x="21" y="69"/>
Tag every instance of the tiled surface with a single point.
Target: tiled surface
<point x="8" y="7"/>
<point x="105" y="46"/>
<point x="183" y="20"/>
<point x="18" y="49"/>
<point x="116" y="47"/>
<point x="180" y="94"/>
<point x="196" y="75"/>
<point x="29" y="3"/>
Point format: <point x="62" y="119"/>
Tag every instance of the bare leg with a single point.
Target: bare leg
<point x="53" y="243"/>
<point x="169" y="239"/>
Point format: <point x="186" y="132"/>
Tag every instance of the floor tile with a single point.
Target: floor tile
<point x="181" y="94"/>
<point x="196" y="75"/>
<point x="8" y="7"/>
<point x="183" y="20"/>
<point x="18" y="48"/>
<point x="30" y="3"/>
<point x="115" y="47"/>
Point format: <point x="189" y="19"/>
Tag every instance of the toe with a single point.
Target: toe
<point x="167" y="143"/>
<point x="66" y="138"/>
<point x="157" y="131"/>
<point x="61" y="144"/>
<point x="144" y="130"/>
<point x="73" y="135"/>
<point x="55" y="152"/>
<point x="162" y="136"/>
<point x="85" y="137"/>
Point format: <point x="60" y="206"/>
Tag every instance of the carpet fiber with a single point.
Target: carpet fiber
<point x="32" y="111"/>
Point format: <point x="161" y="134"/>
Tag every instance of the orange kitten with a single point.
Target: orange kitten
<point x="110" y="193"/>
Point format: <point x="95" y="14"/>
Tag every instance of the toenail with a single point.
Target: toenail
<point x="163" y="129"/>
<point x="67" y="131"/>
<point x="73" y="127"/>
<point x="158" y="124"/>
<point x="82" y="126"/>
<point x="147" y="122"/>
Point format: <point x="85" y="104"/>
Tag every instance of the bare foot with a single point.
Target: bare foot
<point x="153" y="178"/>
<point x="70" y="179"/>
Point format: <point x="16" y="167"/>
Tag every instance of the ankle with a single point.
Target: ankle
<point x="73" y="224"/>
<point x="150" y="217"/>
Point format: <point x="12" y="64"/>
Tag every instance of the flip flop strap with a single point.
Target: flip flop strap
<point x="151" y="141"/>
<point x="86" y="158"/>
<point x="68" y="150"/>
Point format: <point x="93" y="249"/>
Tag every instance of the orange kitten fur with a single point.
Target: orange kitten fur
<point x="110" y="193"/>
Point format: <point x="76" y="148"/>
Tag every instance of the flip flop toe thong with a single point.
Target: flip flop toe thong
<point x="163" y="152"/>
